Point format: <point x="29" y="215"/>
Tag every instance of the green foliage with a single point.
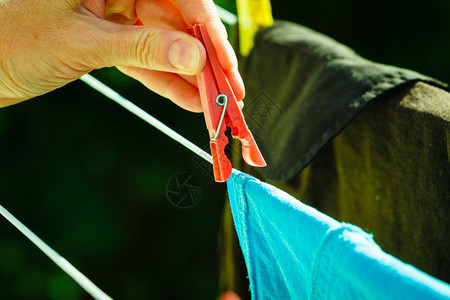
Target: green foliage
<point x="90" y="178"/>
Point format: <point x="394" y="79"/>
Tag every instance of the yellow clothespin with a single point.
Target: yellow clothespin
<point x="252" y="15"/>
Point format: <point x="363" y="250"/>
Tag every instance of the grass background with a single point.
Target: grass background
<point x="90" y="178"/>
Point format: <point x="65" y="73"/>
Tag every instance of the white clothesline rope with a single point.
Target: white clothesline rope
<point x="226" y="16"/>
<point x="60" y="261"/>
<point x="113" y="95"/>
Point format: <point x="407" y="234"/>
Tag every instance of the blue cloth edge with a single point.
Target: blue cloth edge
<point x="238" y="182"/>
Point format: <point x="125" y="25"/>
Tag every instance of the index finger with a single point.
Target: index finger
<point x="205" y="12"/>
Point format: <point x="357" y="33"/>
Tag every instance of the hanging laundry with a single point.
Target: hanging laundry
<point x="375" y="135"/>
<point x="292" y="251"/>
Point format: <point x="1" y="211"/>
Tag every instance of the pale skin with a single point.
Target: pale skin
<point x="47" y="44"/>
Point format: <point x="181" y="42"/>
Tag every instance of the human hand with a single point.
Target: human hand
<point x="46" y="44"/>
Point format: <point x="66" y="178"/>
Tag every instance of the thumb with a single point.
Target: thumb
<point x="148" y="47"/>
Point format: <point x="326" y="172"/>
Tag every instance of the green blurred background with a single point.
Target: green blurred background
<point x="90" y="178"/>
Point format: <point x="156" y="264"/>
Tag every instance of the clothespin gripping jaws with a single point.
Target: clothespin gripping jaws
<point x="221" y="109"/>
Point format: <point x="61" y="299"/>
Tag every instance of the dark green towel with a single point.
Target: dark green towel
<point x="303" y="84"/>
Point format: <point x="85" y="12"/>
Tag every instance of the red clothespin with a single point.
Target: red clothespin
<point x="221" y="109"/>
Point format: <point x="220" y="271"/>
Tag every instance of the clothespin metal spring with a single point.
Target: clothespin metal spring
<point x="223" y="103"/>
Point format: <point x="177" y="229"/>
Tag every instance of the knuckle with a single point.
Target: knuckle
<point x="147" y="49"/>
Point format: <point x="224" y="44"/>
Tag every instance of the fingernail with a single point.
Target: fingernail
<point x="184" y="56"/>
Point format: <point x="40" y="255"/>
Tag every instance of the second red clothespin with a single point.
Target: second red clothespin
<point x="221" y="109"/>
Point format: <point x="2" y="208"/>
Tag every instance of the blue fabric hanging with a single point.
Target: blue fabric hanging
<point x="292" y="251"/>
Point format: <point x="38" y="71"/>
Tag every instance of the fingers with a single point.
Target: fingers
<point x="121" y="11"/>
<point x="148" y="47"/>
<point x="163" y="13"/>
<point x="205" y="12"/>
<point x="190" y="78"/>
<point x="168" y="85"/>
<point x="235" y="80"/>
<point x="152" y="52"/>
